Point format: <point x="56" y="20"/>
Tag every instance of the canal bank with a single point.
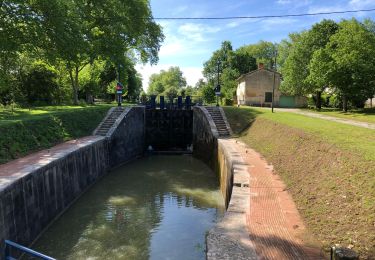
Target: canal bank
<point x="45" y="184"/>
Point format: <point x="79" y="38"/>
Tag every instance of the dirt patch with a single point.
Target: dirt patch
<point x="334" y="189"/>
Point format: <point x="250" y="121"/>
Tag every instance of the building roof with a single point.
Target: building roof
<point x="254" y="71"/>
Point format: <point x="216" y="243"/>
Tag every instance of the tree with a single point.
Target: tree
<point x="163" y="81"/>
<point x="295" y="70"/>
<point x="230" y="64"/>
<point x="78" y="32"/>
<point x="39" y="84"/>
<point x="352" y="53"/>
<point x="208" y="94"/>
<point x="263" y="52"/>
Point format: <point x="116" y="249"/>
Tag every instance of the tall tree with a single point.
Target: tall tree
<point x="167" y="79"/>
<point x="78" y="32"/>
<point x="262" y="51"/>
<point x="228" y="65"/>
<point x="296" y="67"/>
<point x="352" y="65"/>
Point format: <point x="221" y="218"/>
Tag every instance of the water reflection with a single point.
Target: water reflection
<point x="155" y="208"/>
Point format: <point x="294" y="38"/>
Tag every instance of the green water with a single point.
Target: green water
<point x="158" y="207"/>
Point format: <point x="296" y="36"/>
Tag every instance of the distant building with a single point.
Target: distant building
<point x="255" y="89"/>
<point x="370" y="102"/>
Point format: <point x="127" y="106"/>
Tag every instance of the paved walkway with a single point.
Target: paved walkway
<point x="330" y="118"/>
<point x="15" y="169"/>
<point x="274" y="224"/>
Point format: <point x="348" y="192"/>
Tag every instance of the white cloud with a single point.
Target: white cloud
<point x="326" y="9"/>
<point x="180" y="9"/>
<point x="196" y="32"/>
<point x="294" y="3"/>
<point x="360" y="4"/>
<point x="272" y="23"/>
<point x="284" y="2"/>
<point x="192" y="74"/>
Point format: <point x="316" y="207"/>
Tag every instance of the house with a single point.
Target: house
<point x="255" y="89"/>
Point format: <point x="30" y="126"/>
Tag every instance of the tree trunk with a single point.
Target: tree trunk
<point x="74" y="82"/>
<point x="345" y="103"/>
<point x="318" y="100"/>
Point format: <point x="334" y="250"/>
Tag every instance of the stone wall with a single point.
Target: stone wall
<point x="34" y="196"/>
<point x="229" y="238"/>
<point x="36" y="193"/>
<point x="126" y="139"/>
<point x="206" y="148"/>
<point x="205" y="137"/>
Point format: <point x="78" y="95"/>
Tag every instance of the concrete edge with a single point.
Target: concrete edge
<point x="226" y="120"/>
<point x="229" y="238"/>
<point x="211" y="122"/>
<point x="118" y="121"/>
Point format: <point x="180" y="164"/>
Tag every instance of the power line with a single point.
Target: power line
<point x="263" y="16"/>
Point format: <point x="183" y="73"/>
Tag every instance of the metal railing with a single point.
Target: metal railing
<point x="23" y="250"/>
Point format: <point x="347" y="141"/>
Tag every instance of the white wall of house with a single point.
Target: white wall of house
<point x="253" y="87"/>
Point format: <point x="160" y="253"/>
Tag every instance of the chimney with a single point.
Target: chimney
<point x="260" y="66"/>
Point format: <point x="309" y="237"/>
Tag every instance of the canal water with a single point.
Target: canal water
<point x="158" y="207"/>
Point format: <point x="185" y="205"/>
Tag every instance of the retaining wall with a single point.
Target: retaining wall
<point x="37" y="191"/>
<point x="35" y="195"/>
<point x="229" y="238"/>
<point x="127" y="136"/>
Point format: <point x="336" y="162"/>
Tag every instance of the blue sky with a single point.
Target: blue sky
<point x="189" y="43"/>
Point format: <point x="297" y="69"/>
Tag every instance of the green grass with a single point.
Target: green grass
<point x="345" y="136"/>
<point x="365" y="115"/>
<point x="24" y="132"/>
<point x="9" y="115"/>
<point x="329" y="169"/>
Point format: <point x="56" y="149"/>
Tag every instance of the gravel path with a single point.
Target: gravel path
<point x="330" y="118"/>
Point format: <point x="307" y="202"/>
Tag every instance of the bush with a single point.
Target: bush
<point x="19" y="138"/>
<point x="227" y="102"/>
<point x="40" y="85"/>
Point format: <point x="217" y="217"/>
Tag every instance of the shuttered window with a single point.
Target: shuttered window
<point x="268" y="97"/>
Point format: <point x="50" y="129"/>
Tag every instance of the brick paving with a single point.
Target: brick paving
<point x="274" y="224"/>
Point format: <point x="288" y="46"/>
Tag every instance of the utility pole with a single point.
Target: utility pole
<point x="119" y="87"/>
<point x="274" y="78"/>
<point x="217" y="89"/>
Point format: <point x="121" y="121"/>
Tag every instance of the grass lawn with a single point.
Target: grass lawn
<point x="8" y="115"/>
<point x="24" y="131"/>
<point x="366" y="115"/>
<point x="329" y="169"/>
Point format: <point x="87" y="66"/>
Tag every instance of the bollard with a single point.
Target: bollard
<point x="342" y="253"/>
<point x="153" y="102"/>
<point x="162" y="104"/>
<point x="179" y="102"/>
<point x="188" y="102"/>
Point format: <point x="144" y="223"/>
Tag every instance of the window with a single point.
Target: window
<point x="268" y="97"/>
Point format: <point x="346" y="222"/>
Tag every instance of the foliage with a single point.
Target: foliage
<point x="161" y="83"/>
<point x="352" y="62"/>
<point x="228" y="65"/>
<point x="263" y="52"/>
<point x="337" y="56"/>
<point x="306" y="54"/>
<point x="77" y="34"/>
<point x="39" y="84"/>
<point x="208" y="94"/>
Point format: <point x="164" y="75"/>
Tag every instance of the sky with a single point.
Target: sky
<point x="189" y="43"/>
